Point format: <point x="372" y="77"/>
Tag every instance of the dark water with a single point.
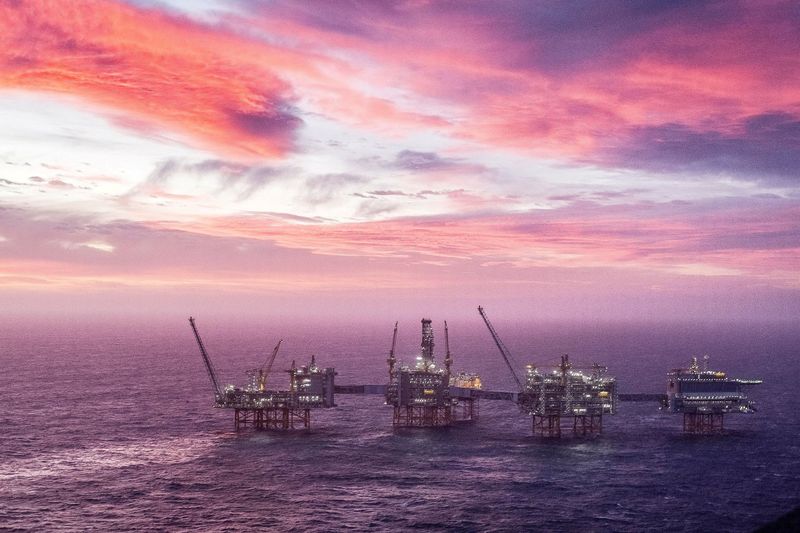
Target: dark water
<point x="109" y="427"/>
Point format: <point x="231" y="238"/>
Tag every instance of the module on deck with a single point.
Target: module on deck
<point x="704" y="396"/>
<point x="564" y="391"/>
<point x="550" y="394"/>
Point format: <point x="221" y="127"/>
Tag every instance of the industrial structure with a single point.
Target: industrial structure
<point x="704" y="396"/>
<point x="256" y="406"/>
<point x="422" y="395"/>
<point x="550" y="394"/>
<point x="428" y="396"/>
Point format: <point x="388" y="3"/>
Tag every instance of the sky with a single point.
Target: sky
<point x="548" y="160"/>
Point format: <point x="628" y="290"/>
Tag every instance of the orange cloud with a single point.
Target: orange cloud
<point x="160" y="70"/>
<point x="503" y="77"/>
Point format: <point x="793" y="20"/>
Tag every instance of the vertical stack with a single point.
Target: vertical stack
<point x="421" y="395"/>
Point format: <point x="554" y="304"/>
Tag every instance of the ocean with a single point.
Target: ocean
<point x="108" y="425"/>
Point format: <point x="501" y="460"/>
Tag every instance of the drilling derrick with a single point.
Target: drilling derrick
<point x="448" y="358"/>
<point x="705" y="396"/>
<point x="256" y="406"/>
<point x="425" y="359"/>
<point x="422" y="395"/>
<point x="464" y="386"/>
<point x="561" y="392"/>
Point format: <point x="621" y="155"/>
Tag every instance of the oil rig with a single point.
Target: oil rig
<point x="255" y="406"/>
<point x="427" y="396"/>
<point x="550" y="394"/>
<point x="424" y="395"/>
<point x="704" y="397"/>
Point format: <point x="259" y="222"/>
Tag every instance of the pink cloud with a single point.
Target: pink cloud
<point x="161" y="70"/>
<point x="552" y="80"/>
<point x="707" y="238"/>
<point x="527" y="77"/>
<point x="578" y="258"/>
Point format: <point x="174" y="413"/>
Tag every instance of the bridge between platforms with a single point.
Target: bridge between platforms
<point x="481" y="394"/>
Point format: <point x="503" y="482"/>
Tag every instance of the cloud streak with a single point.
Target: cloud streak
<point x="241" y="179"/>
<point x="731" y="237"/>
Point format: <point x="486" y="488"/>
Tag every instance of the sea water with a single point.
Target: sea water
<point x="108" y="425"/>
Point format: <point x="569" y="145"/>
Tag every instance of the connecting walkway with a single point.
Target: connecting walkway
<point x="481" y="394"/>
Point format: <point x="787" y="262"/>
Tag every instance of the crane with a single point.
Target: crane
<point x="502" y="347"/>
<point x="212" y="373"/>
<point x="263" y="373"/>
<point x="391" y="360"/>
<point x="448" y="360"/>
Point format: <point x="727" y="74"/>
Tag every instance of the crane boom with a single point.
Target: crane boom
<point x="502" y="347"/>
<point x="212" y="373"/>
<point x="391" y="360"/>
<point x="448" y="359"/>
<point x="263" y="378"/>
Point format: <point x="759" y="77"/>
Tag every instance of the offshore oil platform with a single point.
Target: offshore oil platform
<point x="704" y="396"/>
<point x="426" y="396"/>
<point x="550" y="394"/>
<point x="310" y="387"/>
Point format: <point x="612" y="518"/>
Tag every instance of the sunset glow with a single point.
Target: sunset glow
<point x="629" y="159"/>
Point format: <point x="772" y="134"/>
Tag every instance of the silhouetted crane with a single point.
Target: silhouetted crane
<point x="448" y="359"/>
<point x="263" y="374"/>
<point x="212" y="372"/>
<point x="392" y="360"/>
<point x="502" y="347"/>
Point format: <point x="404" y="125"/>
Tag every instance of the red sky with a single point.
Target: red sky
<point x="572" y="160"/>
